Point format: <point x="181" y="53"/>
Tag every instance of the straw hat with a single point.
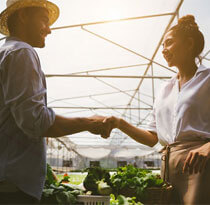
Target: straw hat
<point x="14" y="5"/>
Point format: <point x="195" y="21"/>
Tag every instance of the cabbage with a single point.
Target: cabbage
<point x="104" y="188"/>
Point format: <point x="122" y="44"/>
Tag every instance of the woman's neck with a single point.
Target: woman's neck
<point x="187" y="71"/>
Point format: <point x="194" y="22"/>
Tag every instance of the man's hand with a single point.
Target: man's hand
<point x="98" y="125"/>
<point x="196" y="159"/>
<point x="111" y="123"/>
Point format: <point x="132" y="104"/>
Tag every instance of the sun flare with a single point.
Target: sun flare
<point x="113" y="14"/>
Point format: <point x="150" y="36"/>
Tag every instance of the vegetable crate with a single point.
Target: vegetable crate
<point x="94" y="200"/>
<point x="159" y="195"/>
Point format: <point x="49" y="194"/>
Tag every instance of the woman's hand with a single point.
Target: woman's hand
<point x="196" y="159"/>
<point x="111" y="123"/>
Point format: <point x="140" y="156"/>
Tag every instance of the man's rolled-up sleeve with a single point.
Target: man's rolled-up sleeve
<point x="24" y="93"/>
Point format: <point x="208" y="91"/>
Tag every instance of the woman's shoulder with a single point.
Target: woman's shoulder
<point x="203" y="68"/>
<point x="203" y="73"/>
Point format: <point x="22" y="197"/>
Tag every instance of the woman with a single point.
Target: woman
<point x="181" y="116"/>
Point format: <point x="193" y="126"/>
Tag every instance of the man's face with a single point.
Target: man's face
<point x="37" y="26"/>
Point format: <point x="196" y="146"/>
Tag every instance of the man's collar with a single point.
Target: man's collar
<point x="10" y="38"/>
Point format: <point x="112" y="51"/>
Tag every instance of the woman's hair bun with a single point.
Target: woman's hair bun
<point x="188" y="23"/>
<point x="187" y="27"/>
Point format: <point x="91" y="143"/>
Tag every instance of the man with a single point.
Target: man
<point x="25" y="118"/>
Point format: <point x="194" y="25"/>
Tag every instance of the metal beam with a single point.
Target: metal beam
<point x="127" y="49"/>
<point x="121" y="91"/>
<point x="157" y="48"/>
<point x="152" y="59"/>
<point x="97" y="108"/>
<point x="111" y="21"/>
<point x="93" y="95"/>
<point x="106" y="76"/>
<point x="111" y="68"/>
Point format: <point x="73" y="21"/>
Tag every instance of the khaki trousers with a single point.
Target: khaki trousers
<point x="188" y="188"/>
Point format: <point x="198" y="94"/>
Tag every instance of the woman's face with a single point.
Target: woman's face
<point x="175" y="50"/>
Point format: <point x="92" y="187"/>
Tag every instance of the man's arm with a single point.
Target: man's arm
<point x="27" y="101"/>
<point x="66" y="126"/>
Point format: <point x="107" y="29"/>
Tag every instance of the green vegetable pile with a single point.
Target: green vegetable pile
<point x="127" y="184"/>
<point x="98" y="181"/>
<point x="133" y="182"/>
<point x="58" y="193"/>
<point x="122" y="200"/>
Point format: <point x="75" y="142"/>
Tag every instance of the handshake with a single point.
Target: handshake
<point x="103" y="126"/>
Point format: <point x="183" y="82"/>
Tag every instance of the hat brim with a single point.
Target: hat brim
<point x="51" y="7"/>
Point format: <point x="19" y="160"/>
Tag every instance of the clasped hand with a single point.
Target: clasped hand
<point x="102" y="125"/>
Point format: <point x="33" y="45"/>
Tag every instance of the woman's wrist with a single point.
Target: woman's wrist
<point x="120" y="123"/>
<point x="116" y="122"/>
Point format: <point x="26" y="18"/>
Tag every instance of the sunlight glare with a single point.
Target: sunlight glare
<point x="113" y="14"/>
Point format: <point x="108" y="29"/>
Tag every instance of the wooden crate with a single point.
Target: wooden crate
<point x="157" y="195"/>
<point x="94" y="199"/>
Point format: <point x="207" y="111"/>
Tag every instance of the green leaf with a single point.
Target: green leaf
<point x="49" y="177"/>
<point x="47" y="192"/>
<point x="122" y="200"/>
<point x="61" y="197"/>
<point x="65" y="197"/>
<point x="94" y="175"/>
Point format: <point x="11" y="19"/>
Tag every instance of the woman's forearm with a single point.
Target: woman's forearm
<point x="142" y="136"/>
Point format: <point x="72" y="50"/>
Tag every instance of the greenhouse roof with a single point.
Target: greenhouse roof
<point x="104" y="57"/>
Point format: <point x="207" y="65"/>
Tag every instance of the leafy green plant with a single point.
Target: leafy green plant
<point x="131" y="181"/>
<point x="97" y="181"/>
<point x="56" y="192"/>
<point x="50" y="177"/>
<point x="104" y="188"/>
<point x="122" y="200"/>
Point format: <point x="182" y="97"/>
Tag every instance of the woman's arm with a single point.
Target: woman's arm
<point x="142" y="136"/>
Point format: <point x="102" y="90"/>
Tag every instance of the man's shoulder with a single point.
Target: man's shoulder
<point x="13" y="44"/>
<point x="16" y="48"/>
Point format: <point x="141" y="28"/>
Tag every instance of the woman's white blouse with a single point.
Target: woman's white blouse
<point x="179" y="114"/>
